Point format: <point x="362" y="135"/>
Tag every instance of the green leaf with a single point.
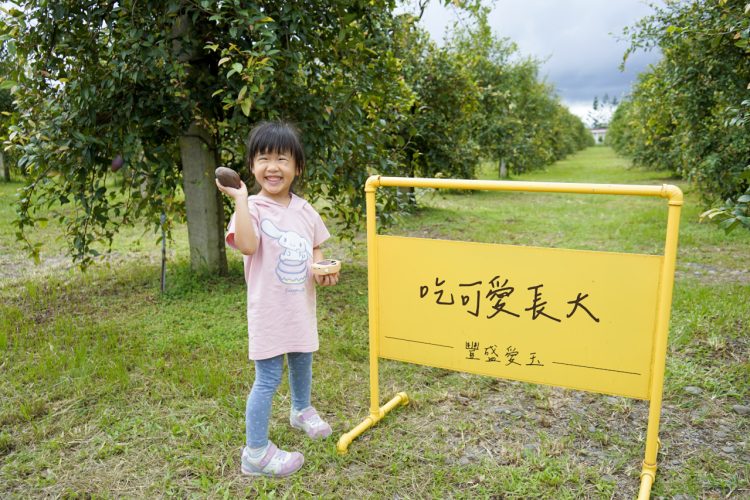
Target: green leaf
<point x="246" y="106"/>
<point x="242" y="93"/>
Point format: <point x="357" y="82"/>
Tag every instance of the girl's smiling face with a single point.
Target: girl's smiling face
<point x="274" y="173"/>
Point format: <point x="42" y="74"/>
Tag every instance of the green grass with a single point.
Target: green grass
<point x="109" y="388"/>
<point x="136" y="242"/>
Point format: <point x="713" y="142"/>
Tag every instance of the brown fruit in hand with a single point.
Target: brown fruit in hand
<point x="117" y="163"/>
<point x="228" y="177"/>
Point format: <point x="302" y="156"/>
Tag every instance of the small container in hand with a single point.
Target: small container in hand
<point x="327" y="266"/>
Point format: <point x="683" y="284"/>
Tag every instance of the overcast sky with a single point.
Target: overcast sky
<point x="580" y="42"/>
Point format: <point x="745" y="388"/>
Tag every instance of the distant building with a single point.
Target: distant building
<point x="599" y="135"/>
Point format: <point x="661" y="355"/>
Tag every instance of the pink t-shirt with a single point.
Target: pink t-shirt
<point x="280" y="287"/>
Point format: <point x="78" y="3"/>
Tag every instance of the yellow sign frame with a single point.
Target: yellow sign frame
<point x="663" y="294"/>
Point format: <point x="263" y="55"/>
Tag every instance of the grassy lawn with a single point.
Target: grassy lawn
<point x="109" y="388"/>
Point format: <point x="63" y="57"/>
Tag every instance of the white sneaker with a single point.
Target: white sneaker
<point x="275" y="462"/>
<point x="309" y="421"/>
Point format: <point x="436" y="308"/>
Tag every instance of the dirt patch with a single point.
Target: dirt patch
<point x="15" y="269"/>
<point x="712" y="274"/>
<point x="512" y="422"/>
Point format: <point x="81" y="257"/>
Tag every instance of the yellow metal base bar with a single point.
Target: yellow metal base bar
<point x="345" y="440"/>
<point x="648" y="474"/>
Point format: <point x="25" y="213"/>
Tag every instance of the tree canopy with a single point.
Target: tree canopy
<point x="689" y="113"/>
<point x="369" y="90"/>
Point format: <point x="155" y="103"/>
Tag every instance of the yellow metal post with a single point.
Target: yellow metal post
<point x="648" y="472"/>
<point x="376" y="412"/>
<point x="373" y="299"/>
<point x="663" y="191"/>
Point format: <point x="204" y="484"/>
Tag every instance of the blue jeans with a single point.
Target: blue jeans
<point x="267" y="379"/>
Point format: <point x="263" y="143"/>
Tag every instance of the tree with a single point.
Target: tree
<point x="689" y="113"/>
<point x="140" y="80"/>
<point x="487" y="57"/>
<point x="6" y="108"/>
<point x="520" y="123"/>
<point x="619" y="134"/>
<point x="438" y="132"/>
<point x="602" y="111"/>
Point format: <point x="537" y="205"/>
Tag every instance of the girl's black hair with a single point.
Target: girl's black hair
<point x="275" y="137"/>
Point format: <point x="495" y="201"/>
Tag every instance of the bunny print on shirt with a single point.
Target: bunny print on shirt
<point x="292" y="266"/>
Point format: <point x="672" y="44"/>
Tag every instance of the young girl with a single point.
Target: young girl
<point x="280" y="235"/>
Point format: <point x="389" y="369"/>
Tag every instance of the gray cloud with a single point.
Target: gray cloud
<point x="579" y="42"/>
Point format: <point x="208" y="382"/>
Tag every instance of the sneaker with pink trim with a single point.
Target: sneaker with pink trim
<point x="275" y="463"/>
<point x="309" y="421"/>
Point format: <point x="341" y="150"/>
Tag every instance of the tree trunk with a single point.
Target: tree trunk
<point x="503" y="169"/>
<point x="205" y="215"/>
<point x="4" y="168"/>
<point x="409" y="192"/>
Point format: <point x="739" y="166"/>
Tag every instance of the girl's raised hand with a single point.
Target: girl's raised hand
<point x="233" y="193"/>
